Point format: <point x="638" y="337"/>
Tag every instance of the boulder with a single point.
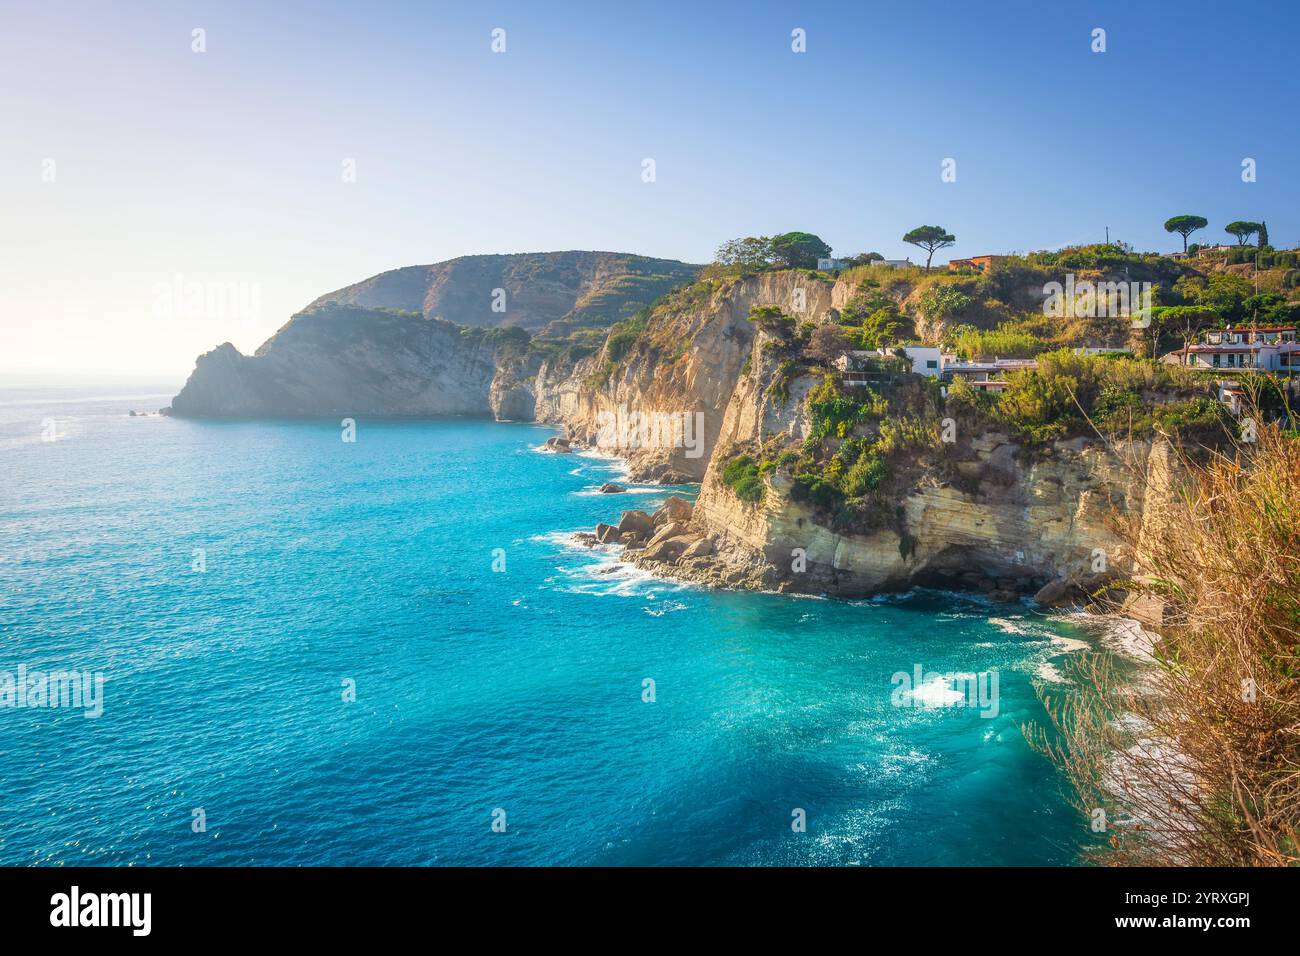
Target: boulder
<point x="1054" y="593"/>
<point x="1072" y="589"/>
<point x="605" y="533"/>
<point x="633" y="539"/>
<point x="609" y="488"/>
<point x="667" y="549"/>
<point x="674" y="509"/>
<point x="635" y="521"/>
<point x="556" y="443"/>
<point x="670" y="530"/>
<point x="700" y="549"/>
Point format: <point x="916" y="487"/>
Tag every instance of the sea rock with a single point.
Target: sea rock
<point x="1071" y="589"/>
<point x="635" y="521"/>
<point x="605" y="533"/>
<point x="609" y="488"/>
<point x="667" y="549"/>
<point x="585" y="537"/>
<point x="1054" y="593"/>
<point x="558" y="444"/>
<point x="700" y="549"/>
<point x="669" y="530"/>
<point x="674" y="509"/>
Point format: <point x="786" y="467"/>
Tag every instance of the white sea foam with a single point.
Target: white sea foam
<point x="938" y="691"/>
<point x="634" y="490"/>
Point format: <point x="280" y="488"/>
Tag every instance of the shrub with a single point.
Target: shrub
<point x="1006" y="341"/>
<point x="741" y="475"/>
<point x="1203" y="770"/>
<point x="772" y="320"/>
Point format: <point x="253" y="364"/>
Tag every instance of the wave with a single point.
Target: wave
<point x="632" y="490"/>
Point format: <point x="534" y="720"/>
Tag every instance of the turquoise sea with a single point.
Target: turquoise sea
<point x="232" y="580"/>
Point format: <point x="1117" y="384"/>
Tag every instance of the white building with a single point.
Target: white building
<point x="1268" y="348"/>
<point x="891" y="263"/>
<point x="925" y="360"/>
<point x="833" y="265"/>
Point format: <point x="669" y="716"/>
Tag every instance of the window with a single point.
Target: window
<point x="1217" y="356"/>
<point x="931" y="363"/>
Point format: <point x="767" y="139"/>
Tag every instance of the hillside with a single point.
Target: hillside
<point x="425" y="340"/>
<point x="548" y="292"/>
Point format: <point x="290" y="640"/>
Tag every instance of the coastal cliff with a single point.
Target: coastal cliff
<point x="442" y="339"/>
<point x="1046" y="527"/>
<point x="723" y="361"/>
<point x="347" y="360"/>
<point x="697" y="349"/>
<point x="983" y="512"/>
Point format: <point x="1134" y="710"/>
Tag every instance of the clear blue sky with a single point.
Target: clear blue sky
<point x="225" y="166"/>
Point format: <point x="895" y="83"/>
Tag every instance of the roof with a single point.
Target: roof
<point x="1255" y="328"/>
<point x="997" y="366"/>
<point x="1242" y="347"/>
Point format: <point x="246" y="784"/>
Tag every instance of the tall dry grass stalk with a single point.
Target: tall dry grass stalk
<point x="1196" y="761"/>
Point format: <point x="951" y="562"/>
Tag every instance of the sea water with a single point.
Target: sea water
<point x="392" y="651"/>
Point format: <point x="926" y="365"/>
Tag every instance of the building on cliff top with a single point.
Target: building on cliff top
<point x="975" y="263"/>
<point x="1267" y="348"/>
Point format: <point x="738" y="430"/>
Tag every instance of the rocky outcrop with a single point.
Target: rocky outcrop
<point x="1007" y="521"/>
<point x="1051" y="531"/>
<point x="682" y="374"/>
<point x="428" y="340"/>
<point x="341" y="360"/>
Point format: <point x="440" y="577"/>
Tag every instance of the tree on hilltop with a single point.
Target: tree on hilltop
<point x="799" y="250"/>
<point x="751" y="254"/>
<point x="1185" y="226"/>
<point x="931" y="239"/>
<point x="1243" y="229"/>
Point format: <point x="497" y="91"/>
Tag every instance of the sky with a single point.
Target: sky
<point x="134" y="166"/>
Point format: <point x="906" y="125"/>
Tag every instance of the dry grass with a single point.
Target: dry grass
<point x="1196" y="761"/>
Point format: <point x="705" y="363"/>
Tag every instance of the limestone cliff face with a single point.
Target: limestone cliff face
<point x="1029" y="521"/>
<point x="1011" y="522"/>
<point x="695" y="354"/>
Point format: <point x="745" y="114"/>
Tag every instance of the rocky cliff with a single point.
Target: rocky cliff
<point x="415" y="341"/>
<point x="996" y="517"/>
<point x="350" y="361"/>
<point x="679" y="391"/>
<point x="698" y="349"/>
